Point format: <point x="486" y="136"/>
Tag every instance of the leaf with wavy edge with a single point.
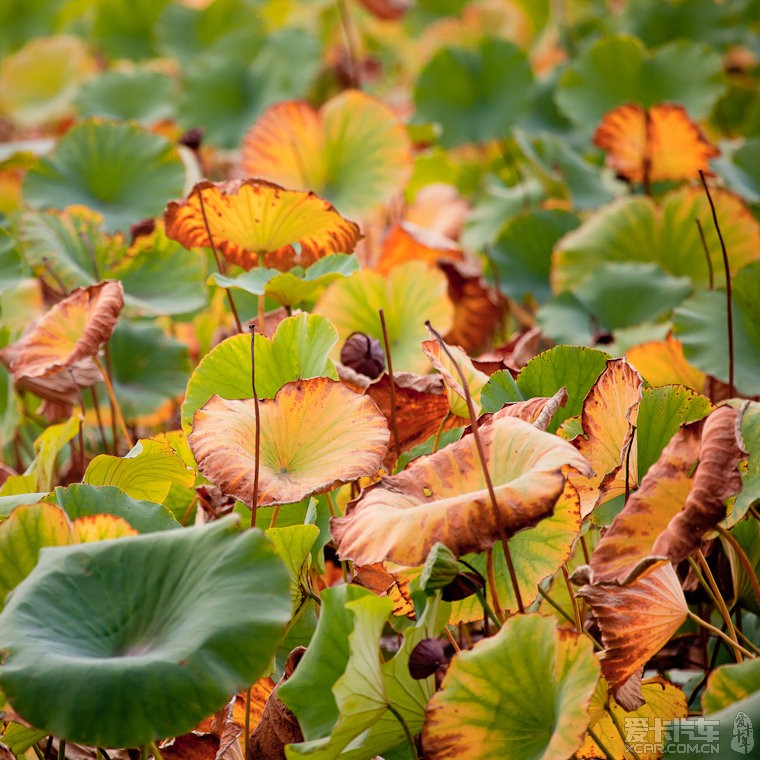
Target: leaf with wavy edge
<point x="315" y="434"/>
<point x="257" y="223"/>
<point x="443" y="497"/>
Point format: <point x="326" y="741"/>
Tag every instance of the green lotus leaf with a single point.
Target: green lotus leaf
<point x="9" y="503"/>
<point x="152" y="632"/>
<point x="747" y="534"/>
<point x="81" y="500"/>
<point x="565" y="320"/>
<point x="21" y="21"/>
<point x="700" y="324"/>
<point x="298" y="350"/>
<point x="500" y="389"/>
<point x="341" y="691"/>
<point x="662" y="412"/>
<point x="146" y="472"/>
<point x="124" y="28"/>
<point x="118" y="169"/>
<point x="39" y="82"/>
<point x="741" y="170"/>
<point x="23" y="535"/>
<point x="521" y="255"/>
<point x="19" y="738"/>
<point x="750" y="493"/>
<point x="523" y="694"/>
<point x="225" y="95"/>
<point x="571" y="367"/>
<point x="293" y="544"/>
<point x="474" y="95"/>
<point x="293" y="287"/>
<point x="141" y="95"/>
<point x="683" y="72"/>
<point x="635" y="230"/>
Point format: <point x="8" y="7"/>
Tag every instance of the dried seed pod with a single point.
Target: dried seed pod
<point x="426" y="658"/>
<point x="363" y="354"/>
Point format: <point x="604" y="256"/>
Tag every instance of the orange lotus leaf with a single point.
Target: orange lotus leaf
<point x="353" y="151"/>
<point x="609" y="412"/>
<point x="315" y="434"/>
<point x="637" y="616"/>
<point x="439" y="208"/>
<point x="443" y="497"/>
<point x="54" y="358"/>
<point x="659" y="144"/>
<point x="257" y="223"/>
<point x="408" y="242"/>
<point x="661" y="362"/>
<point x="100" y="528"/>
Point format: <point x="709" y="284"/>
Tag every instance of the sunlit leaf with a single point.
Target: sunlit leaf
<point x="298" y="350"/>
<point x="146" y="472"/>
<point x="256" y="223"/>
<point x="663" y="363"/>
<point x="173" y="613"/>
<point x="637" y="617"/>
<point x="353" y="151"/>
<point x="315" y="434"/>
<point x="411" y="294"/>
<point x="496" y="702"/>
<point x="116" y="168"/>
<point x="22" y="535"/>
<point x="660" y="143"/>
<point x="443" y="497"/>
<point x="100" y="528"/>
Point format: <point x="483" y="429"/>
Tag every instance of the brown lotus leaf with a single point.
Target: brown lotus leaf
<point x="408" y="242"/>
<point x="716" y="479"/>
<point x="315" y="435"/>
<point x="661" y="495"/>
<point x="661" y="362"/>
<point x="254" y="222"/>
<point x="609" y="413"/>
<point x="421" y="409"/>
<point x="67" y="337"/>
<point x="478" y="308"/>
<point x="443" y="497"/>
<point x="440" y="208"/>
<point x="636" y="616"/>
<point x="538" y="411"/>
<point x="381" y="582"/>
<point x="658" y="144"/>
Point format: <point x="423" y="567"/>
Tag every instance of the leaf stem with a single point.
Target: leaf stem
<point x="573" y="600"/>
<point x="437" y="439"/>
<point x="154" y="748"/>
<point x="452" y="640"/>
<point x="257" y="432"/>
<point x="101" y="429"/>
<point x="331" y="504"/>
<point x="729" y="307"/>
<point x="597" y="739"/>
<point x="483" y="465"/>
<point x="491" y="574"/>
<point x="217" y="259"/>
<point x="709" y="627"/>
<point x="61" y="749"/>
<point x="275" y="513"/>
<point x="247" y="725"/>
<point x="409" y="738"/>
<point x="620" y="730"/>
<point x="115" y="408"/>
<point x="392" y="382"/>
<point x="744" y="560"/>
<point x="718" y="598"/>
<point x="345" y="21"/>
<point x="710" y="273"/>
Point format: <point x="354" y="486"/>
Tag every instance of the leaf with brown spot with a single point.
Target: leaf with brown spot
<point x="478" y="308"/>
<point x="661" y="362"/>
<point x="408" y="242"/>
<point x="662" y="495"/>
<point x="609" y="411"/>
<point x="637" y="616"/>
<point x="443" y="497"/>
<point x="716" y="479"/>
<point x="254" y="223"/>
<point x="381" y="582"/>
<point x="315" y="434"/>
<point x="661" y="143"/>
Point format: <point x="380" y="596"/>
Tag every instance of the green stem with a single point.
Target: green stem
<point x="573" y="600"/>
<point x="437" y="439"/>
<point x="409" y="738"/>
<point x="257" y="433"/>
<point x="115" y="408"/>
<point x="722" y="607"/>
<point x="709" y="627"/>
<point x="600" y="744"/>
<point x="621" y="731"/>
<point x="744" y="560"/>
<point x="491" y="575"/>
<point x="391" y="383"/>
<point x="331" y="504"/>
<point x="156" y="753"/>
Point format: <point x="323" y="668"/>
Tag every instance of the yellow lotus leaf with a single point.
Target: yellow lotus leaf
<point x="408" y="242"/>
<point x="68" y="335"/>
<point x="443" y="497"/>
<point x="257" y="223"/>
<point x="101" y="528"/>
<point x="637" y="617"/>
<point x="609" y="411"/>
<point x="661" y="143"/>
<point x="315" y="434"/>
<point x="661" y="362"/>
<point x="661" y="495"/>
<point x="353" y="151"/>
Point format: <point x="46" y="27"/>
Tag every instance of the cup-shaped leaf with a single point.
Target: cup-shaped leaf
<point x="151" y="633"/>
<point x="354" y="151"/>
<point x="443" y="497"/>
<point x="315" y="434"/>
<point x="524" y="693"/>
<point x="254" y="223"/>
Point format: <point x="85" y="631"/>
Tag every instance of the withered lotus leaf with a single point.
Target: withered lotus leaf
<point x="68" y="335"/>
<point x="661" y="143"/>
<point x="717" y="478"/>
<point x="406" y="242"/>
<point x="443" y="497"/>
<point x="637" y="616"/>
<point x="315" y="434"/>
<point x="254" y="222"/>
<point x="663" y="363"/>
